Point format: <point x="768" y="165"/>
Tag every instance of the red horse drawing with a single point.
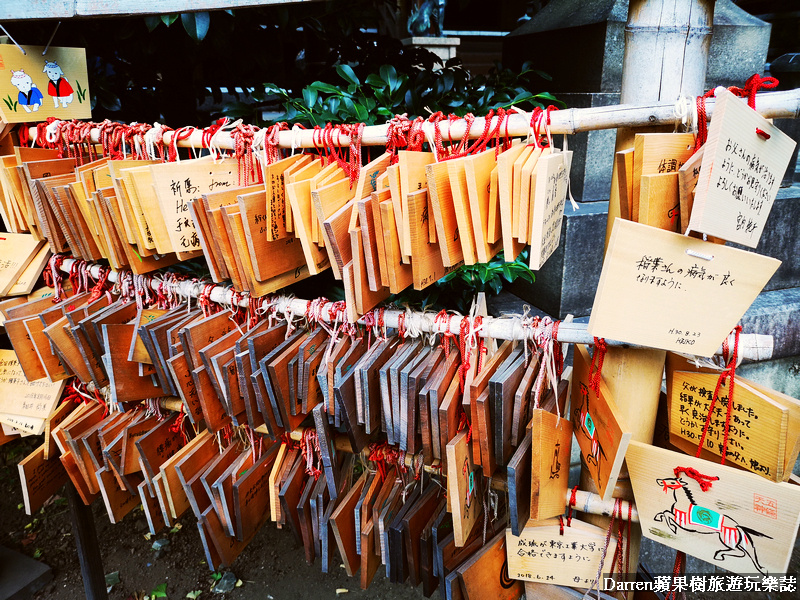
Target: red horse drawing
<point x="687" y="515"/>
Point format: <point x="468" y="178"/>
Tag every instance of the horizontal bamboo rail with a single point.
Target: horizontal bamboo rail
<point x="754" y="347"/>
<point x="773" y="105"/>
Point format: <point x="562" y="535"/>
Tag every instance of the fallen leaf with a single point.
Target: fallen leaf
<point x="341" y="591"/>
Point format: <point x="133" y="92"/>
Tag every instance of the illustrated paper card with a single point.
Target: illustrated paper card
<point x="664" y="290"/>
<point x="743" y="164"/>
<point x="722" y="515"/>
<point x="34" y="87"/>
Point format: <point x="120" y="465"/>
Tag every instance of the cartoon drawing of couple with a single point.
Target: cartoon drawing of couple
<point x="30" y="98"/>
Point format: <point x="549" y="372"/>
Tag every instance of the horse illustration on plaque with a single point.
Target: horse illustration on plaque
<point x="687" y="515"/>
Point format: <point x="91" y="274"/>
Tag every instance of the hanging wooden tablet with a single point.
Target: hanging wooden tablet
<point x="477" y="173"/>
<point x="403" y="407"/>
<point x="414" y="522"/>
<point x="400" y="274"/>
<point x="688" y="175"/>
<point x="460" y="198"/>
<point x="520" y="414"/>
<point x="155" y="519"/>
<point x="601" y="434"/>
<point x="656" y="153"/>
<point x="659" y="202"/>
<point x="343" y="524"/>
<point x="448" y="419"/>
<point x="668" y="291"/>
<point x="177" y="500"/>
<point x="463" y="487"/>
<point x="547" y="212"/>
<point x="289" y="496"/>
<point x="719" y="514"/>
<point x="758" y="425"/>
<point x="299" y="196"/>
<point x="744" y="161"/>
<point x="40" y="478"/>
<point x="527" y="179"/>
<point x="277" y="205"/>
<point x="551" y="444"/>
<point x="503" y="386"/>
<point x="623" y="180"/>
<point x="118" y="502"/>
<point x="542" y="554"/>
<point x="43" y="82"/>
<point x="485" y="573"/>
<point x="17" y="250"/>
<point x="444" y="217"/>
<point x="519" y="484"/>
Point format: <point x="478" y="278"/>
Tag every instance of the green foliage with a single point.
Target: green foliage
<point x="159" y="592"/>
<point x="194" y="595"/>
<point x="10" y="103"/>
<point x="379" y="96"/>
<point x="81" y="92"/>
<point x="196" y="24"/>
<point x="216" y="576"/>
<point x="457" y="288"/>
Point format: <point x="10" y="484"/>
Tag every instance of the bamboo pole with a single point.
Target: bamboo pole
<point x="778" y="105"/>
<point x="751" y="346"/>
<point x="673" y="37"/>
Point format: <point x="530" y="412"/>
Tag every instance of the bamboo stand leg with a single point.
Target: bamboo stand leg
<point x="94" y="579"/>
<point x="677" y="37"/>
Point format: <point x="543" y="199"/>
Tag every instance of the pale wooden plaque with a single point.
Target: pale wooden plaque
<point x="668" y="291"/>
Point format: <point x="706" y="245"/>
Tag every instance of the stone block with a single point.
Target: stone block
<point x="21" y="577"/>
<point x="567" y="282"/>
<point x="776" y="313"/>
<point x="738" y="46"/>
<point x="593" y="151"/>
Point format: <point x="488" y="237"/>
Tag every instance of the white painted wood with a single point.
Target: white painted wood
<point x="65" y="9"/>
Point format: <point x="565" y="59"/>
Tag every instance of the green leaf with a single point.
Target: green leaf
<point x="389" y="75"/>
<point x="324" y="87"/>
<point x="375" y="81"/>
<point x="310" y="96"/>
<point x="346" y="72"/>
<point x="194" y="595"/>
<point x="216" y="576"/>
<point x="151" y="22"/>
<point x="550" y="97"/>
<point x="160" y="591"/>
<point x="361" y="112"/>
<point x="196" y="24"/>
<point x="169" y="19"/>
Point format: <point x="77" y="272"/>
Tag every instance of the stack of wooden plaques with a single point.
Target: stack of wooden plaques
<point x="394" y="226"/>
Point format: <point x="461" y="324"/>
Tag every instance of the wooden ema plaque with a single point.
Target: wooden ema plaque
<point x="547" y="212"/>
<point x="463" y="487"/>
<point x="486" y="575"/>
<point x="741" y="522"/>
<point x="664" y="290"/>
<point x="541" y="554"/>
<point x="758" y="426"/>
<point x="740" y="173"/>
<point x="551" y="449"/>
<point x="42" y="83"/>
<point x="601" y="433"/>
<point x="41" y="478"/>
